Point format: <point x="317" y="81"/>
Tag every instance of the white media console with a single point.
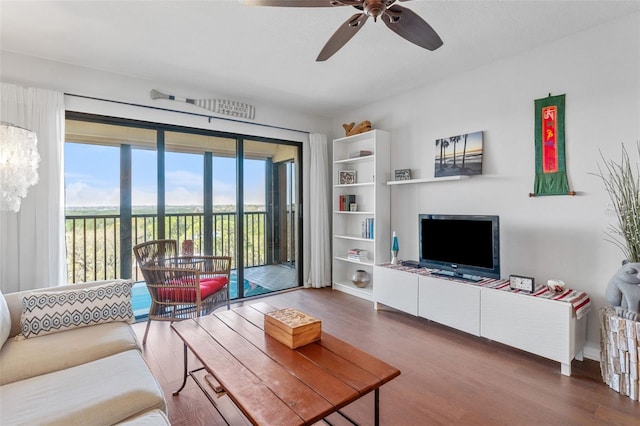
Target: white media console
<point x="544" y="327"/>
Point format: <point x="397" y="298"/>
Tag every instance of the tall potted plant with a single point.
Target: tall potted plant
<point x="623" y="186"/>
<point x="622" y="290"/>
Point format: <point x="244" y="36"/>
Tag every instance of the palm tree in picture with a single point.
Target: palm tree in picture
<point x="454" y="140"/>
<point x="464" y="149"/>
<point x="444" y="144"/>
<point x="439" y="143"/>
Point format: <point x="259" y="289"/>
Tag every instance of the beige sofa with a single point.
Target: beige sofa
<point x="74" y="375"/>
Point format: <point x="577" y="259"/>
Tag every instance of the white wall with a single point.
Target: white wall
<point x="33" y="72"/>
<point x="544" y="237"/>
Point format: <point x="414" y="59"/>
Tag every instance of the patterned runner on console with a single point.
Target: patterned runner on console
<point x="580" y="300"/>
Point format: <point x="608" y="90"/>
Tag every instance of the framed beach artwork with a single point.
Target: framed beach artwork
<point x="459" y="155"/>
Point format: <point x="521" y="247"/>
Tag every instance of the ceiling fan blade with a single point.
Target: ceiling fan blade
<point x="342" y="35"/>
<point x="290" y="3"/>
<point x="408" y="25"/>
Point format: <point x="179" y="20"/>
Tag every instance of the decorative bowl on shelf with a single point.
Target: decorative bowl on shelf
<point x="361" y="278"/>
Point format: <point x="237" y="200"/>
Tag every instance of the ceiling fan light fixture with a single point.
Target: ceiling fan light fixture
<point x="374" y="8"/>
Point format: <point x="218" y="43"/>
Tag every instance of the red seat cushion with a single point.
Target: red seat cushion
<point x="208" y="286"/>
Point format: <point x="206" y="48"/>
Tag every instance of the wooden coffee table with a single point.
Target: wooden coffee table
<point x="272" y="384"/>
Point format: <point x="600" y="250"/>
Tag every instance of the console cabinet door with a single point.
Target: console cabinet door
<point x="540" y="326"/>
<point x="396" y="289"/>
<point x="450" y="303"/>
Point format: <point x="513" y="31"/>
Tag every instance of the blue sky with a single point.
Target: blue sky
<point x="474" y="146"/>
<point x="92" y="178"/>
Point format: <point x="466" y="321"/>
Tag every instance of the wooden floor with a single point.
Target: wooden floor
<point x="448" y="377"/>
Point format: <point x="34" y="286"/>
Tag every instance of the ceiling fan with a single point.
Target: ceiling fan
<point x="402" y="21"/>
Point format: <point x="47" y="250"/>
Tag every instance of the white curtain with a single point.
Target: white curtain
<point x="32" y="246"/>
<point x="320" y="232"/>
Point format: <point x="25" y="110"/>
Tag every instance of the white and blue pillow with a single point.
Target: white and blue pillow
<point x="54" y="311"/>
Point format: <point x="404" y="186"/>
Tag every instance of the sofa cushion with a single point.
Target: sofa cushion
<point x="5" y="320"/>
<point x="50" y="312"/>
<point x="208" y="286"/>
<point x="102" y="392"/>
<point x="22" y="358"/>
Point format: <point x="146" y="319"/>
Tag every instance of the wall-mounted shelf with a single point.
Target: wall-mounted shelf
<point x="426" y="180"/>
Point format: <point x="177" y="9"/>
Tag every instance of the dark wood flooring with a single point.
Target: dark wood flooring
<point x="448" y="377"/>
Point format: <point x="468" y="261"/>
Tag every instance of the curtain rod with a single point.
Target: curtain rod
<point x="209" y="117"/>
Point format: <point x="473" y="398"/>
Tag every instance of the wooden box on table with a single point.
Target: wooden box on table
<point x="292" y="327"/>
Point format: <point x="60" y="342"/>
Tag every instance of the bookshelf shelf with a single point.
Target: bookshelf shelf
<point x="353" y="237"/>
<point x="355" y="185"/>
<point x="356" y="159"/>
<point x="344" y="258"/>
<point x="369" y="213"/>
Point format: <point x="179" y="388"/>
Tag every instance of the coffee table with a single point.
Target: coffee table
<point x="270" y="383"/>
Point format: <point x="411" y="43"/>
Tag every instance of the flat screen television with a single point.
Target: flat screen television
<point x="463" y="246"/>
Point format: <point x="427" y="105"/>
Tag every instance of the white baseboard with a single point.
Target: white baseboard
<point x="592" y="352"/>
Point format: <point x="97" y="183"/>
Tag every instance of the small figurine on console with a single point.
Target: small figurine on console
<point x="351" y="128"/>
<point x="623" y="291"/>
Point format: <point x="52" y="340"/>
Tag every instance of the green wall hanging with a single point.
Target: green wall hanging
<point x="551" y="171"/>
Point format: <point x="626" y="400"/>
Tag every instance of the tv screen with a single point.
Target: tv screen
<point x="464" y="246"/>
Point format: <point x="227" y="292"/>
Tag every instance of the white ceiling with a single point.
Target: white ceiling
<point x="267" y="54"/>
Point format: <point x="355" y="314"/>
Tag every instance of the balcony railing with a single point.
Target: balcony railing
<point x="93" y="242"/>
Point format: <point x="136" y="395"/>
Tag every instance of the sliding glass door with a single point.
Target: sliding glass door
<point x="271" y="225"/>
<point x="107" y="169"/>
<point x="218" y="194"/>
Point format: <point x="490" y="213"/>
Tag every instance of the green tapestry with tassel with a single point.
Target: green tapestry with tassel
<point x="551" y="172"/>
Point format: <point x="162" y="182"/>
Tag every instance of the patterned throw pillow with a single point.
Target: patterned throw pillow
<point x="51" y="312"/>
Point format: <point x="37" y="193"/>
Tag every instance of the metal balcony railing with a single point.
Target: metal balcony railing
<point x="93" y="242"/>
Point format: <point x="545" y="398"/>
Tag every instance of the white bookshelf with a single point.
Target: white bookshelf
<point x="372" y="197"/>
